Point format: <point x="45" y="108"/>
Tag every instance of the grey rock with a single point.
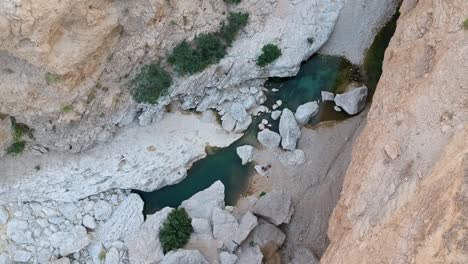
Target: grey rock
<point x="224" y="227"/>
<point x="201" y="226"/>
<point x="289" y="130"/>
<point x="266" y="233"/>
<point x="247" y="223"/>
<point x="70" y="211"/>
<point x="18" y="231"/>
<point x="246" y="153"/>
<point x="22" y="256"/>
<point x="96" y="251"/>
<point x="183" y="256"/>
<point x="102" y="210"/>
<point x="228" y="122"/>
<point x="70" y="242"/>
<point x="227" y="258"/>
<point x="353" y="101"/>
<point x="269" y="138"/>
<point x="243" y="125"/>
<point x="275" y="114"/>
<point x="56" y="220"/>
<point x="4" y="258"/>
<point x="304" y="256"/>
<point x="60" y="261"/>
<point x="89" y="222"/>
<point x="305" y="112"/>
<point x="238" y="112"/>
<point x="250" y="255"/>
<point x="327" y="96"/>
<point x="202" y="203"/>
<point x="144" y="246"/>
<point x="292" y="158"/>
<point x="275" y="206"/>
<point x="3" y="215"/>
<point x="249" y="103"/>
<point x="125" y="220"/>
<point x="112" y="256"/>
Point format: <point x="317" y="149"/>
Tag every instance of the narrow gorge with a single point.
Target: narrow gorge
<point x="234" y="131"/>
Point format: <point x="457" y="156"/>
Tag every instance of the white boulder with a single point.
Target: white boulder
<point x="125" y="220"/>
<point x="89" y="222"/>
<point x="3" y="215"/>
<point x="289" y="130"/>
<point x="292" y="158"/>
<point x="144" y="246"/>
<point x="304" y="256"/>
<point x="227" y="258"/>
<point x="269" y="138"/>
<point x="353" y="101"/>
<point x="275" y="114"/>
<point x="202" y="203"/>
<point x="305" y="112"/>
<point x="182" y="256"/>
<point x="112" y="256"/>
<point x="250" y="255"/>
<point x="327" y="96"/>
<point x="246" y="153"/>
<point x="266" y="233"/>
<point x="201" y="226"/>
<point x="275" y="206"/>
<point x="102" y="210"/>
<point x="71" y="241"/>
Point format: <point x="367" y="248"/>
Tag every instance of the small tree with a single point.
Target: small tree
<point x="270" y="53"/>
<point x="235" y="22"/>
<point x="150" y="84"/>
<point x="16" y="148"/>
<point x="210" y="48"/>
<point x="176" y="230"/>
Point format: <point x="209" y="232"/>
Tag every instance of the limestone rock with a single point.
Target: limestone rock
<point x="22" y="256"/>
<point x="144" y="246"/>
<point x="238" y="112"/>
<point x="353" y="101"/>
<point x="289" y="130"/>
<point x="60" y="261"/>
<point x="18" y="231"/>
<point x="89" y="222"/>
<point x="266" y="233"/>
<point x="202" y="203"/>
<point x="182" y="256"/>
<point x="275" y="206"/>
<point x="70" y="242"/>
<point x="305" y="112"/>
<point x="250" y="255"/>
<point x="227" y="258"/>
<point x="3" y="215"/>
<point x="392" y="149"/>
<point x="70" y="211"/>
<point x="275" y="114"/>
<point x="303" y="255"/>
<point x="247" y="223"/>
<point x="125" y="220"/>
<point x="201" y="226"/>
<point x="243" y="125"/>
<point x="102" y="210"/>
<point x="112" y="256"/>
<point x="269" y="138"/>
<point x="327" y="96"/>
<point x="246" y="153"/>
<point x="224" y="227"/>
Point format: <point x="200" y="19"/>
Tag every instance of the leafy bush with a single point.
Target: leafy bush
<point x="67" y="109"/>
<point x="16" y="148"/>
<point x="210" y="48"/>
<point x="150" y="84"/>
<point x="233" y="1"/>
<point x="176" y="230"/>
<point x="270" y="53"/>
<point x="235" y="22"/>
<point x="465" y="24"/>
<point x="52" y="78"/>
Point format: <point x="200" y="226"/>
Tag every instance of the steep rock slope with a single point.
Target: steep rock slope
<point x="404" y="198"/>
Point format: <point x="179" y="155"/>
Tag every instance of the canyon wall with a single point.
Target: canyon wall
<point x="405" y="194"/>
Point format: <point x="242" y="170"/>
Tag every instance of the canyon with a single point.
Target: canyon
<point x="388" y="185"/>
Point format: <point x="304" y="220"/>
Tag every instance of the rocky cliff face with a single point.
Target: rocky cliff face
<point x="404" y="198"/>
<point x="65" y="65"/>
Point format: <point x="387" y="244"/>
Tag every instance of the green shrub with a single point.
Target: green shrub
<point x="185" y="59"/>
<point x="233" y="1"/>
<point x="210" y="48"/>
<point x="52" y="78"/>
<point x="270" y="53"/>
<point x="465" y="24"/>
<point x="235" y="22"/>
<point x="16" y="148"/>
<point x="67" y="108"/>
<point x="262" y="194"/>
<point x="150" y="84"/>
<point x="176" y="230"/>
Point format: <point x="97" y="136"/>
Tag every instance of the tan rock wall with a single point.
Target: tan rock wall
<point x="405" y="198"/>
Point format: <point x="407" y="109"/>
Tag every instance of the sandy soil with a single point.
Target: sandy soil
<point x="315" y="185"/>
<point x="357" y="25"/>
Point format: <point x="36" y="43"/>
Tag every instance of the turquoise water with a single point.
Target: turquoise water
<point x="319" y="73"/>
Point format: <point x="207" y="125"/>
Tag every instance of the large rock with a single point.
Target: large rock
<point x="3" y="215"/>
<point x="292" y="158"/>
<point x="182" y="256"/>
<point x="327" y="96"/>
<point x="353" y="101"/>
<point x="201" y="226"/>
<point x="304" y="256"/>
<point x="227" y="258"/>
<point x="60" y="261"/>
<point x="112" y="256"/>
<point x="305" y="112"/>
<point x="102" y="210"/>
<point x="229" y="230"/>
<point x="144" y="245"/>
<point x="266" y="233"/>
<point x="250" y="255"/>
<point x="125" y="220"/>
<point x="19" y="231"/>
<point x="275" y="206"/>
<point x="289" y="130"/>
<point x="246" y="153"/>
<point x="202" y="203"/>
<point x="71" y="241"/>
<point x="269" y="138"/>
